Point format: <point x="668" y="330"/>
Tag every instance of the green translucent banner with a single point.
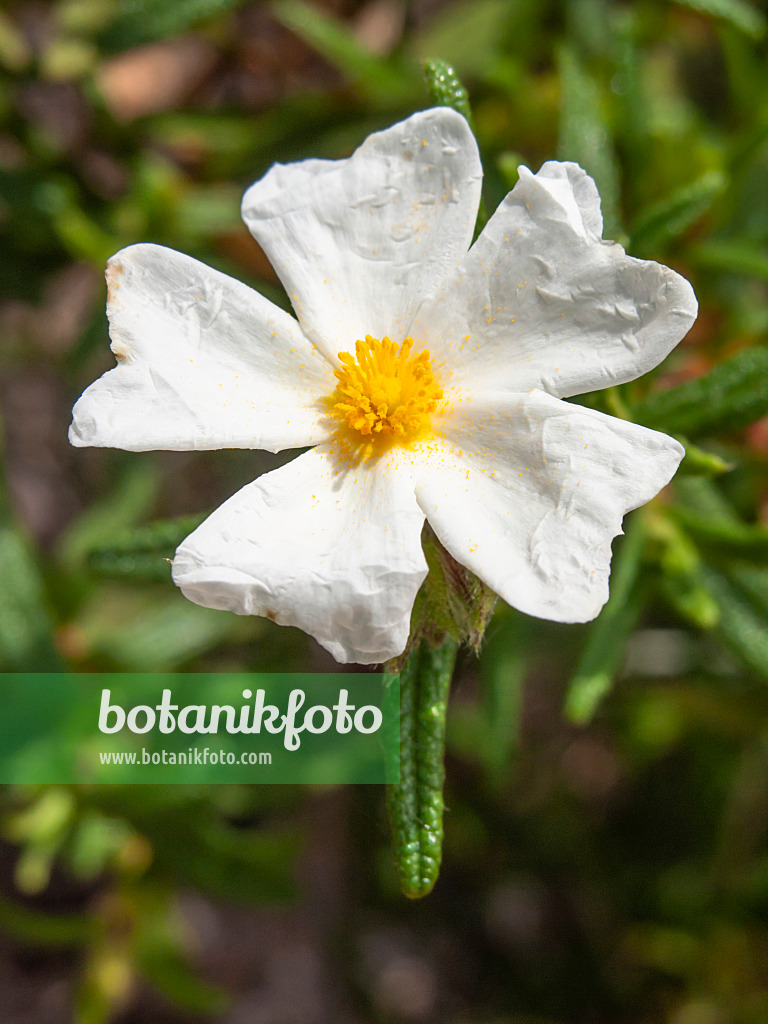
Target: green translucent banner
<point x="119" y="728"/>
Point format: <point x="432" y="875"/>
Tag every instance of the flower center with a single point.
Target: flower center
<point x="384" y="393"/>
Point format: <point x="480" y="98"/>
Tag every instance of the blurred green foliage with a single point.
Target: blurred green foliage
<point x="605" y="855"/>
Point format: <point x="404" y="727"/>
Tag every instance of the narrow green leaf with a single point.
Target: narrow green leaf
<point x="585" y="137"/>
<point x="142" y="21"/>
<point x="26" y="629"/>
<point x="381" y="78"/>
<point x="230" y="863"/>
<point x="671" y="217"/>
<point x="732" y="258"/>
<point x="742" y="626"/>
<point x="699" y="462"/>
<point x="589" y="22"/>
<point x="142" y="553"/>
<point x="630" y="83"/>
<point x="44" y="928"/>
<point x="706" y="498"/>
<point x="745" y="71"/>
<point x="140" y="566"/>
<point x="503" y="686"/>
<point x="741" y="15"/>
<point x="604" y="648"/>
<point x="752" y="581"/>
<point x="130" y="500"/>
<point x="733" y="538"/>
<point x="446" y="88"/>
<point x="731" y="396"/>
<point x="416" y="802"/>
<point x="79" y="234"/>
<point x="682" y="574"/>
<point x="168" y="971"/>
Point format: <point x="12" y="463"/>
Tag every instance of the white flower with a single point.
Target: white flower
<point x="463" y="423"/>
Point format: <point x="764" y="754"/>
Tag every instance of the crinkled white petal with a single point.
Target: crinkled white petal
<point x="332" y="549"/>
<point x="541" y="301"/>
<point x="358" y="243"/>
<point x="528" y="492"/>
<point x="203" y="362"/>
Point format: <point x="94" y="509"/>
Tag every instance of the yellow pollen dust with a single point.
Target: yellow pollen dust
<point x="385" y="395"/>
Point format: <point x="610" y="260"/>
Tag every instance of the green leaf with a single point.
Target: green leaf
<point x="731" y="396"/>
<point x="81" y="236"/>
<point x="142" y="21"/>
<point x="604" y="648"/>
<point x="26" y="628"/>
<point x="381" y="78"/>
<point x="735" y="538"/>
<point x="699" y="462"/>
<point x="227" y="862"/>
<point x="752" y="581"/>
<point x="585" y="137"/>
<point x="741" y="15"/>
<point x="195" y="843"/>
<point x="669" y="218"/>
<point x="732" y="258"/>
<point x="160" y="953"/>
<point x="416" y="802"/>
<point x="503" y="687"/>
<point x="170" y="974"/>
<point x="682" y="581"/>
<point x="706" y="498"/>
<point x="44" y="928"/>
<point x="446" y="88"/>
<point x="40" y="829"/>
<point x="737" y="590"/>
<point x="142" y="553"/>
<point x="128" y="501"/>
<point x="742" y="625"/>
<point x="629" y="82"/>
<point x="589" y="23"/>
<point x="714" y="524"/>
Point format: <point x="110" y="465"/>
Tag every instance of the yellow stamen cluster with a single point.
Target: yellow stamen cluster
<point x="384" y="393"/>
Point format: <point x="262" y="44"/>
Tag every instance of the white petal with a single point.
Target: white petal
<point x="358" y="243"/>
<point x="333" y="550"/>
<point x="528" y="491"/>
<point x="542" y="302"/>
<point x="203" y="362"/>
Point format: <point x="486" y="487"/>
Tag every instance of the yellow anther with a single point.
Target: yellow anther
<point x="385" y="395"/>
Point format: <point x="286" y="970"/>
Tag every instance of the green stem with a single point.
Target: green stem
<point x="416" y="802"/>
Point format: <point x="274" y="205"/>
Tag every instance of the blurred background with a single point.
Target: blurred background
<point x="605" y="855"/>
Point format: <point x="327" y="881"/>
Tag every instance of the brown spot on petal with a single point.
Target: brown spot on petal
<point x="121" y="353"/>
<point x="113" y="273"/>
